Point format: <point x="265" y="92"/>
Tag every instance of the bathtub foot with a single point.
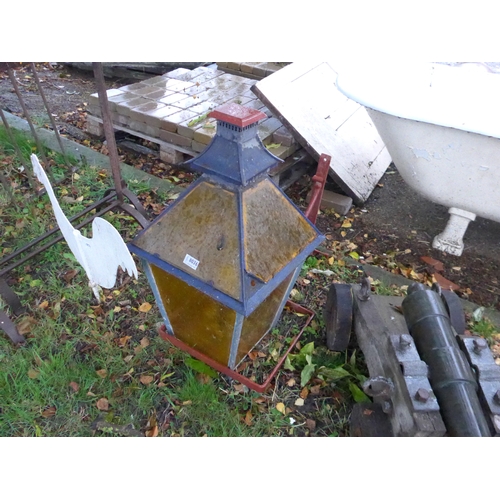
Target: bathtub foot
<point x="450" y="240"/>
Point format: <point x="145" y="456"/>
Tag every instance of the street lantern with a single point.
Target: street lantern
<point x="223" y="258"/>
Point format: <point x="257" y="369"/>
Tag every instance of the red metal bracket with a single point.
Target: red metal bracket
<point x="232" y="373"/>
<point x="319" y="181"/>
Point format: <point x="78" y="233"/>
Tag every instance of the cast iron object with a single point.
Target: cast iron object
<point x="338" y="316"/>
<point x="450" y="374"/>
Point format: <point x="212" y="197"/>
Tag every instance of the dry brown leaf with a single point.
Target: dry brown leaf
<point x="33" y="373"/>
<point x="304" y="393"/>
<point x="102" y="373"/>
<point x="153" y="432"/>
<point x="69" y="275"/>
<point x="248" y="418"/>
<point x="44" y="304"/>
<point x="311" y="424"/>
<point x="291" y="382"/>
<point x="25" y="325"/>
<point x="49" y="412"/>
<point x="103" y="404"/>
<point x="144" y="342"/>
<point x="145" y="307"/>
<point x="299" y="402"/>
<point x="74" y="386"/>
<point x="146" y="379"/>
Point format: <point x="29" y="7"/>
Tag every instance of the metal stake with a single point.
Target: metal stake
<point x="52" y="121"/>
<point x="30" y="123"/>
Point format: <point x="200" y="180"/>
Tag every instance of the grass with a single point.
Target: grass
<point x="101" y="369"/>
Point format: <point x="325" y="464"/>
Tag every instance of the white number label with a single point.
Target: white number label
<point x="191" y="262"/>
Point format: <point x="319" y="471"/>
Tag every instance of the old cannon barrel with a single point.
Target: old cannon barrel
<point x="451" y="376"/>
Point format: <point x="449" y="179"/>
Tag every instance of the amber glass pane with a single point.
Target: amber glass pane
<point x="204" y="226"/>
<point x="259" y="322"/>
<point x="196" y="319"/>
<point x="274" y="231"/>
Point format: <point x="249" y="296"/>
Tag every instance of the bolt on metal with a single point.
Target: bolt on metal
<point x="496" y="397"/>
<point x="422" y="395"/>
<point x="479" y="344"/>
<point x="405" y="340"/>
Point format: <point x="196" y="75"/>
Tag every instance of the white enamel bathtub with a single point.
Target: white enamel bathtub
<point x="441" y="126"/>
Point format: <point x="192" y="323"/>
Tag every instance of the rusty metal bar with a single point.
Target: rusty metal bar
<point x="232" y="373"/>
<point x="108" y="130"/>
<point x="30" y="123"/>
<point x="16" y="148"/>
<point x="52" y="121"/>
<point x="56" y="240"/>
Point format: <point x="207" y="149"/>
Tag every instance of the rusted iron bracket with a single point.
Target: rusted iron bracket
<point x="233" y="373"/>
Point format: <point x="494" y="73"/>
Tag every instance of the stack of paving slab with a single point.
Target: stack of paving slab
<point x="171" y="110"/>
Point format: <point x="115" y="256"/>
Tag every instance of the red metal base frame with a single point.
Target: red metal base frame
<point x="231" y="373"/>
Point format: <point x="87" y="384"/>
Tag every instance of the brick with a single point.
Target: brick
<point x="198" y="147"/>
<point x="178" y="73"/>
<point x="203" y="73"/>
<point x="334" y="201"/>
<point x="206" y="132"/>
<point x="247" y="67"/>
<point x="173" y="138"/>
<point x="132" y="87"/>
<point x="170" y="122"/>
<point x="267" y="128"/>
<point x="234" y="65"/>
<point x="283" y="137"/>
<point x="222" y="64"/>
<point x="94" y="127"/>
<point x="175" y="85"/>
<point x="139" y="113"/>
<point x="170" y="156"/>
<point x="173" y="98"/>
<point x="137" y="126"/>
<point x="121" y="119"/>
<point x="124" y="107"/>
<point x="154" y="118"/>
<point x="115" y="99"/>
<point x="157" y="94"/>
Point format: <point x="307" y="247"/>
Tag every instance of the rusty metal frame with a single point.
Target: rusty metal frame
<point x="162" y="331"/>
<point x="114" y="198"/>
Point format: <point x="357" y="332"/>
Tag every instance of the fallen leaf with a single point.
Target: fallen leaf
<point x="304" y="393"/>
<point x="49" y="412"/>
<point x="144" y="342"/>
<point x="74" y="386"/>
<point x="291" y="382"/>
<point x="315" y="389"/>
<point x="32" y="373"/>
<point x="311" y="424"/>
<point x="103" y="404"/>
<point x="145" y="307"/>
<point x="25" y="325"/>
<point x="299" y="402"/>
<point x="146" y="379"/>
<point x="248" y="418"/>
<point x="102" y="373"/>
<point x="153" y="432"/>
<point x="69" y="275"/>
<point x="436" y="264"/>
<point x="281" y="408"/>
<point x="44" y="304"/>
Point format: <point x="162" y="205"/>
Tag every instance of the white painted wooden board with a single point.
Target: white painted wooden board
<point x="305" y="98"/>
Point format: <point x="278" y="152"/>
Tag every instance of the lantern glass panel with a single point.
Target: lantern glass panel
<point x="275" y="231"/>
<point x="205" y="227"/>
<point x="195" y="318"/>
<point x="261" y="320"/>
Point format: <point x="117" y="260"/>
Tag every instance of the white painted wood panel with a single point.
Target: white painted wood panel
<point x="305" y="98"/>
